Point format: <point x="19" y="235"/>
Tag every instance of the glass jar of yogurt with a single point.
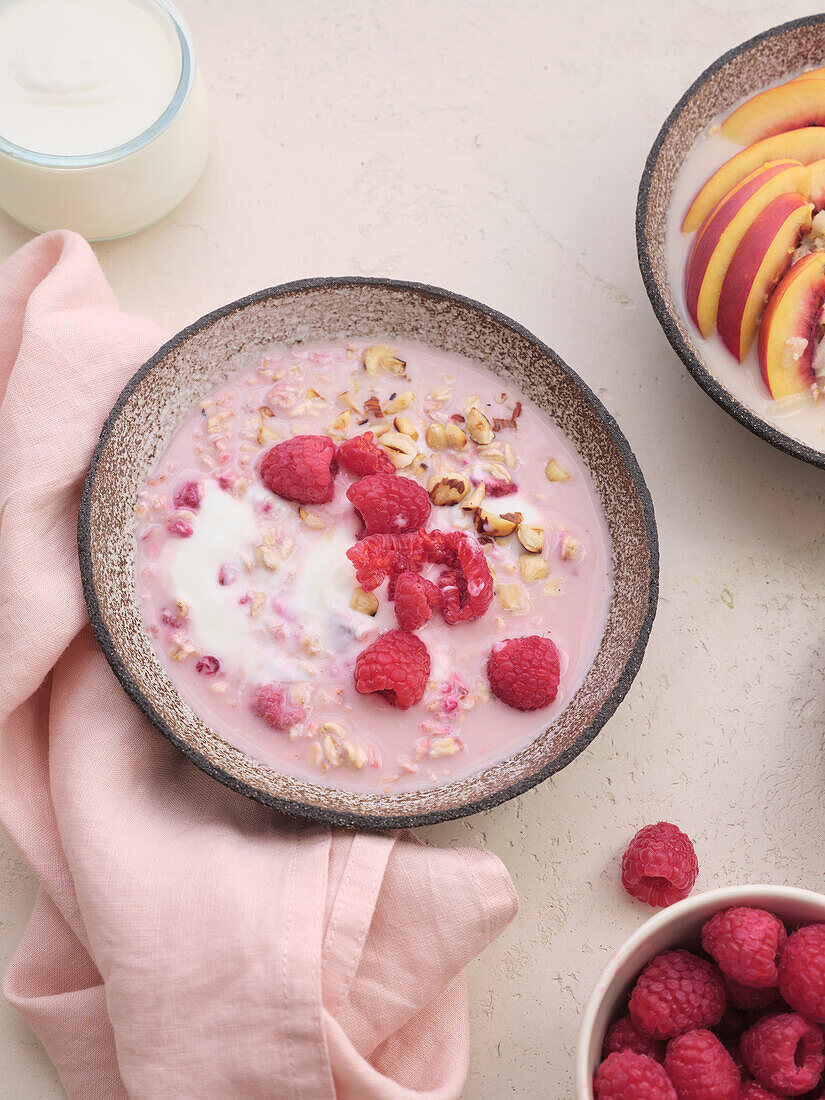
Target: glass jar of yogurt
<point x="103" y="114"/>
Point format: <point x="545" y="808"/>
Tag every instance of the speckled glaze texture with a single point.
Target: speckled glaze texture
<point x="766" y="59"/>
<point x="203" y="356"/>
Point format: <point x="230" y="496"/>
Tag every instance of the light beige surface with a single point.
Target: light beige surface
<point x="495" y="149"/>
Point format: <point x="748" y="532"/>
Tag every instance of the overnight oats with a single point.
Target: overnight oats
<point x="372" y="567"/>
<point x="746" y="244"/>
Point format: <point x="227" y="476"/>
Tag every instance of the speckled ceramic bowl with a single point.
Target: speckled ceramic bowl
<point x="678" y="926"/>
<point x="766" y="59"/>
<point x="202" y="357"/>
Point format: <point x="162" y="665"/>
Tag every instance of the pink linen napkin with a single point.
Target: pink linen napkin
<point x="185" y="942"/>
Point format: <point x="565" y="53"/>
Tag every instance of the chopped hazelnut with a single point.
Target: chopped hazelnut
<point x="445" y="489"/>
<point x="571" y="549"/>
<point x="554" y="472"/>
<point x="436" y="436"/>
<point x="530" y="537"/>
<point x="488" y="523"/>
<point x="479" y="428"/>
<point x="405" y="426"/>
<point x="475" y="498"/>
<point x="380" y="358"/>
<point x="533" y="567"/>
<point x="400" y="448"/>
<point x="400" y="402"/>
<point x="511" y="597"/>
<point x="365" y="602"/>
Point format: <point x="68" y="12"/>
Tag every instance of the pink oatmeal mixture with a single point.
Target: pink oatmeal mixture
<point x="241" y="589"/>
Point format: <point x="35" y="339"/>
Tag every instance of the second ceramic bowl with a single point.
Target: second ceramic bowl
<point x="766" y="59"/>
<point x="677" y="926"/>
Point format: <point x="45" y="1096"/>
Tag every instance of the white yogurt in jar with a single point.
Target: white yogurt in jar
<point x="103" y="117"/>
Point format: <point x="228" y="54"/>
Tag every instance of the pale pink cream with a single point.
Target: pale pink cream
<point x="264" y="590"/>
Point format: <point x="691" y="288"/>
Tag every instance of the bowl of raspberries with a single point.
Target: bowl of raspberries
<point x="720" y="996"/>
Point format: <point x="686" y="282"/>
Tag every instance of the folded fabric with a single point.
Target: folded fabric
<point x="185" y="941"/>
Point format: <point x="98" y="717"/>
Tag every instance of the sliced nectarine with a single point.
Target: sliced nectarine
<point x="817" y="192"/>
<point x="763" y="255"/>
<point x="805" y="145"/>
<point x="786" y="336"/>
<point x="720" y="235"/>
<point x="799" y="103"/>
<point x="811" y="74"/>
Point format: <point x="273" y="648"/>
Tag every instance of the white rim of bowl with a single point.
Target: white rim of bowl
<point x="725" y="895"/>
<point x="188" y="68"/>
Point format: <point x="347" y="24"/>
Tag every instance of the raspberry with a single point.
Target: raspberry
<point x="752" y="1090"/>
<point x="675" y="993"/>
<point x="498" y="487"/>
<point x="629" y="1076"/>
<point x="207" y="666"/>
<point x="701" y="1069"/>
<point x="748" y="999"/>
<point x="380" y="556"/>
<point x="362" y="456"/>
<point x="180" y="528"/>
<point x="189" y="496"/>
<point x="745" y="943"/>
<point x="415" y="598"/>
<point x="390" y="505"/>
<point x="524" y="672"/>
<point x="274" y="705"/>
<point x="802" y="972"/>
<point x="301" y="469"/>
<point x="467" y="586"/>
<point x="784" y="1053"/>
<point x="624" y="1036"/>
<point x="396" y="665"/>
<point x="660" y="865"/>
<point x="731" y="1025"/>
<point x="169" y="618"/>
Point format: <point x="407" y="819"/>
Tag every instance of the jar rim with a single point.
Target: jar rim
<point x="126" y="148"/>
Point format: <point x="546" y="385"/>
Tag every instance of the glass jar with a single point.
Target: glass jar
<point x="133" y="184"/>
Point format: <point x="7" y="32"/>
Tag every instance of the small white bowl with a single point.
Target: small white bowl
<point x="673" y="927"/>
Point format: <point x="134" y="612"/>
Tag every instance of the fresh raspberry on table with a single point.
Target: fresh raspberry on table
<point x="378" y="557"/>
<point x="207" y="665"/>
<point x="624" y="1036"/>
<point x="746" y="944"/>
<point x="301" y="469"/>
<point x="802" y="972"/>
<point x="188" y="495"/>
<point x="752" y="1090"/>
<point x="415" y="597"/>
<point x="180" y="528"/>
<point x="660" y="865"/>
<point x="524" y="672"/>
<point x="700" y="1068"/>
<point x="629" y="1076"/>
<point x="389" y="504"/>
<point x="784" y="1053"/>
<point x="273" y="704"/>
<point x="396" y="665"/>
<point x="362" y="456"/>
<point x="677" y="992"/>
<point x="748" y="999"/>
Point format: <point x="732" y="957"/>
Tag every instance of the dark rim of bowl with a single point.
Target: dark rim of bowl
<point x="712" y="387"/>
<point x="322" y="813"/>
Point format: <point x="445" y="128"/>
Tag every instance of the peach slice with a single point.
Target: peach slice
<point x="817" y="192"/>
<point x="799" y="103"/>
<point x="763" y="255"/>
<point x="720" y="235"/>
<point x="788" y="327"/>
<point x="811" y="74"/>
<point x="805" y="145"/>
